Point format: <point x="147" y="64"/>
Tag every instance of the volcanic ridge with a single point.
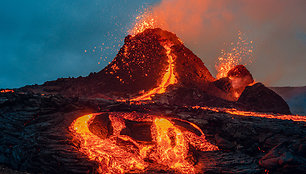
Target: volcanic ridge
<point x="156" y="65"/>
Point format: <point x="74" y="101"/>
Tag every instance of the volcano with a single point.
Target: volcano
<point x="145" y="61"/>
<point x="154" y="109"/>
<point x="155" y="60"/>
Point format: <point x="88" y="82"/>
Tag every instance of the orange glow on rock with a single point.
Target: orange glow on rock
<point x="6" y="90"/>
<point x="225" y="65"/>
<point x="169" y="146"/>
<point x="236" y="55"/>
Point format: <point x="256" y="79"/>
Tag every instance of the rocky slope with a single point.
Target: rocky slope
<point x="294" y="96"/>
<point x="35" y="137"/>
<point x="157" y="59"/>
<point x="138" y="66"/>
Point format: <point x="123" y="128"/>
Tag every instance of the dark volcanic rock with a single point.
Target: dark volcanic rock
<point x="101" y="126"/>
<point x="35" y="136"/>
<point x="294" y="96"/>
<point x="190" y="70"/>
<point x="235" y="82"/>
<point x="140" y="131"/>
<point x="224" y="84"/>
<point x="241" y="72"/>
<point x="240" y="78"/>
<point x="260" y="98"/>
<point x="225" y="89"/>
<point x="286" y="157"/>
<point x="188" y="96"/>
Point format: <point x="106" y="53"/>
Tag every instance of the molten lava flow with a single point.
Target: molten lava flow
<point x="172" y="147"/>
<point x="6" y="90"/>
<point x="243" y="49"/>
<point x="169" y="147"/>
<point x="167" y="79"/>
<point x="254" y="114"/>
<point x="112" y="158"/>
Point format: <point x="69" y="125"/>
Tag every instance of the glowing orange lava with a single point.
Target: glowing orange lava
<point x="226" y="64"/>
<point x="172" y="147"/>
<point x="167" y="79"/>
<point x="112" y="158"/>
<point x="237" y="53"/>
<point x="169" y="146"/>
<point x="6" y="90"/>
<point x="234" y="111"/>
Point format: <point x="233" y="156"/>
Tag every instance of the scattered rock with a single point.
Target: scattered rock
<point x="285" y="157"/>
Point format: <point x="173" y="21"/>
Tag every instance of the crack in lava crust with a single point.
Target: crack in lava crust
<point x="169" y="147"/>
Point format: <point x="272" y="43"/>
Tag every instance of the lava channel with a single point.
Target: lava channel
<point x="167" y="79"/>
<point x="234" y="111"/>
<point x="168" y="149"/>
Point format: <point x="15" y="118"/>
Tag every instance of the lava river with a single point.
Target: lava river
<point x="169" y="147"/>
<point x="234" y="111"/>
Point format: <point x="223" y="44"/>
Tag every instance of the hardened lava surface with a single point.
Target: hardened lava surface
<point x="36" y="136"/>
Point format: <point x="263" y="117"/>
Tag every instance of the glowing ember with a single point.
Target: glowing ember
<point x="144" y="21"/>
<point x="170" y="145"/>
<point x="234" y="111"/>
<point x="236" y="55"/>
<point x="167" y="79"/>
<point x="6" y="90"/>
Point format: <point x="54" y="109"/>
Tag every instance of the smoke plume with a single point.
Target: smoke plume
<point x="277" y="28"/>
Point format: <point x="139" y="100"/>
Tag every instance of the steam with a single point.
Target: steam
<point x="205" y="25"/>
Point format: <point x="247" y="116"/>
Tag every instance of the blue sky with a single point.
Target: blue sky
<point x="46" y="40"/>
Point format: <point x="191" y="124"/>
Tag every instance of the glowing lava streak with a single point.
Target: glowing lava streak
<point x="167" y="79"/>
<point x="254" y="114"/>
<point x="112" y="158"/>
<point x="172" y="148"/>
<point x="6" y="91"/>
